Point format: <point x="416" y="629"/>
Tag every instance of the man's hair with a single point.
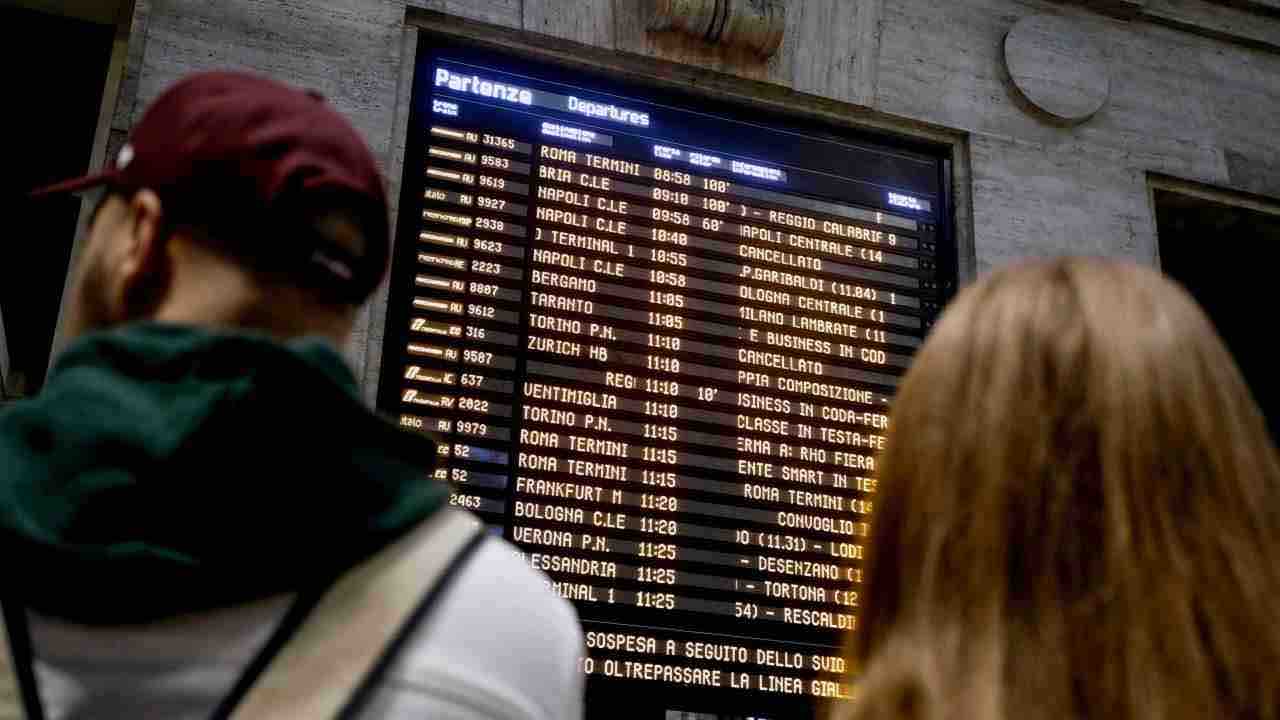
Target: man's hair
<point x="273" y="250"/>
<point x="1079" y="514"/>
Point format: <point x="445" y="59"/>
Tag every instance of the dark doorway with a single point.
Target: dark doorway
<point x="1226" y="256"/>
<point x="57" y="71"/>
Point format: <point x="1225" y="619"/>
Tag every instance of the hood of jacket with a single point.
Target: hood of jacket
<point x="168" y="469"/>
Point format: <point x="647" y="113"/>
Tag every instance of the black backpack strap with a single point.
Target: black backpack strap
<point x="22" y="656"/>
<point x="289" y="624"/>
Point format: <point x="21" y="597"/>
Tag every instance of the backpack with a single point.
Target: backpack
<point x="327" y="655"/>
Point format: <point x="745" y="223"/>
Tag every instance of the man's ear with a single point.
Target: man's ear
<point x="143" y="262"/>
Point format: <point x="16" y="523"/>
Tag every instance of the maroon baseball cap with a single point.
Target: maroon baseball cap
<point x="251" y="159"/>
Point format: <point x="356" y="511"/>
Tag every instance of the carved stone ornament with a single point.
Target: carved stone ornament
<point x="755" y="25"/>
<point x="1057" y="68"/>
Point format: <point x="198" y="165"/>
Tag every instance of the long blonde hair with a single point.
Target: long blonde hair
<point x="1078" y="514"/>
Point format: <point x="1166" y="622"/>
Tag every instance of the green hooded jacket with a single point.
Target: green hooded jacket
<point x="169" y="469"/>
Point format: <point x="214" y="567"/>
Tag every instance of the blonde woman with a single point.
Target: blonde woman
<point x="1079" y="517"/>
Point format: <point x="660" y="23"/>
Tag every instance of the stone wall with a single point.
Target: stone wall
<point x="1182" y="104"/>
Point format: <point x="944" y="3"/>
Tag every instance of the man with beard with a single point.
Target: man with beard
<point x="199" y="473"/>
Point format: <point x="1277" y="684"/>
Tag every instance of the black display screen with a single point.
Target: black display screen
<point x="658" y="337"/>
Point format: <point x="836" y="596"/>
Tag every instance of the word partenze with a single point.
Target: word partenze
<point x="484" y="88"/>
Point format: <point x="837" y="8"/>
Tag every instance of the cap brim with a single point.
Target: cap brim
<point x="70" y="186"/>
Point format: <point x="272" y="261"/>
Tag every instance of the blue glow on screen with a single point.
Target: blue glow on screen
<point x="608" y="111"/>
<point x="715" y="162"/>
<point x="758" y="171"/>
<point x="667" y="153"/>
<point x="568" y="132"/>
<point x="906" y="201"/>
<point x="705" y="160"/>
<point x="485" y="455"/>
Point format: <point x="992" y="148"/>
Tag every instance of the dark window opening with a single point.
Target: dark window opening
<point x="1226" y="256"/>
<point x="57" y="69"/>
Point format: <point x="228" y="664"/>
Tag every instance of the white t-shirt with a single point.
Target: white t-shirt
<point x="499" y="643"/>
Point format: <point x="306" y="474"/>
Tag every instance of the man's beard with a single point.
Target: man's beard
<point x="90" y="304"/>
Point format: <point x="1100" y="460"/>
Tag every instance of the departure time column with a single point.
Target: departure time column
<point x="666" y="284"/>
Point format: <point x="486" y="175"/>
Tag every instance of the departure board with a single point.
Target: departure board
<point x="657" y="337"/>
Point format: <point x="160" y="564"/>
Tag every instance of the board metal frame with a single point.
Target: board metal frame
<point x="767" y="104"/>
